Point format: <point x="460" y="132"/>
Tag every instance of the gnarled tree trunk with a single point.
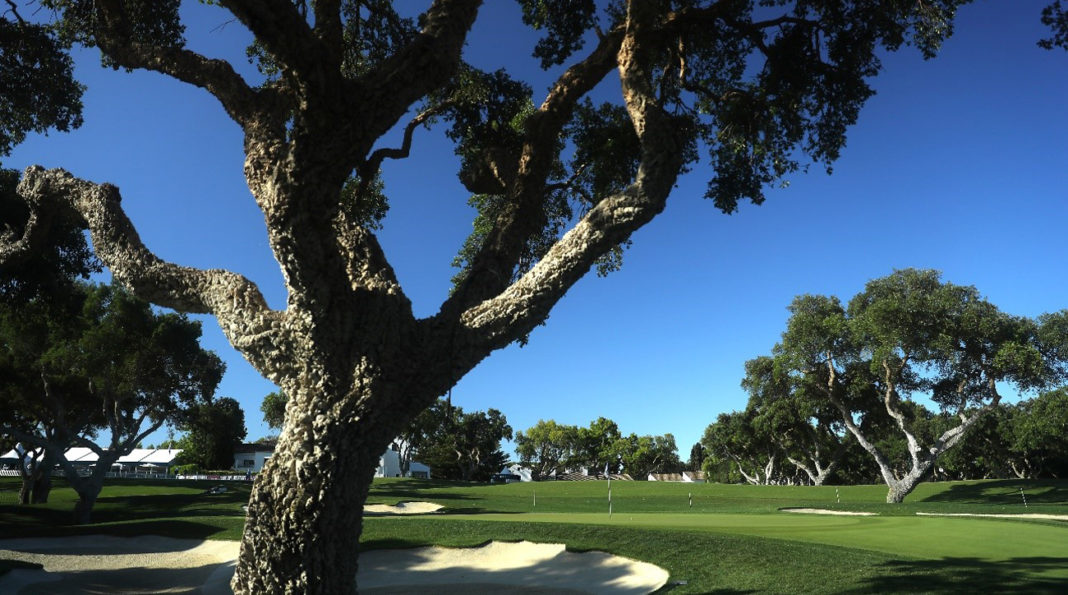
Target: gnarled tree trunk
<point x="305" y="511"/>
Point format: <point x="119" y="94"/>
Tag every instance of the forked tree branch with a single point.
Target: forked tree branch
<point x="218" y="77"/>
<point x="285" y="33"/>
<point x="491" y="268"/>
<point x="498" y="321"/>
<point x="383" y="95"/>
<point x="235" y="301"/>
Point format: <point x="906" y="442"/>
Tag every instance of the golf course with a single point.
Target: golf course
<point x="950" y="537"/>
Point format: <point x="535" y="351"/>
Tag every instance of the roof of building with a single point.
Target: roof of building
<point x="138" y="456"/>
<point x="250" y="448"/>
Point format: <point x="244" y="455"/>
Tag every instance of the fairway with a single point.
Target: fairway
<point x="737" y="537"/>
<point x="920" y="537"/>
<point x="734" y="539"/>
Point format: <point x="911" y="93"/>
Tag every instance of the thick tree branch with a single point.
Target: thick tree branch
<point x="218" y="77"/>
<point x="498" y="321"/>
<point x="285" y="33"/>
<point x="491" y="269"/>
<point x="238" y="304"/>
<point x="328" y="25"/>
<point x="26" y="438"/>
<point x="382" y="96"/>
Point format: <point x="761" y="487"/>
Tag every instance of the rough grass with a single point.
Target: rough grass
<point x="734" y="539"/>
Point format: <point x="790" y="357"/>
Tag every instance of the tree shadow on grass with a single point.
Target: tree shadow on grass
<point x="170" y="528"/>
<point x="169" y="505"/>
<point x="968" y="575"/>
<point x="1005" y="492"/>
<point x="205" y="578"/>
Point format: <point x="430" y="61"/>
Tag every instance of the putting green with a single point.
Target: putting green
<point x="993" y="540"/>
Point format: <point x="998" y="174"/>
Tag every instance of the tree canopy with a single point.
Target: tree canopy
<point x="907" y="336"/>
<point x="457" y="445"/>
<point x="214" y="428"/>
<point x="97" y="368"/>
<point x="550" y="449"/>
<point x="274" y="409"/>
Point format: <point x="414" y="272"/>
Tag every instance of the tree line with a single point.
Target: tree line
<point x="549" y="448"/>
<point x="843" y="396"/>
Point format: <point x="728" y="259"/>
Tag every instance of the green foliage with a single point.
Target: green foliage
<point x="1055" y="17"/>
<point x="364" y="202"/>
<point x="458" y="445"/>
<point x="274" y="409"/>
<point x="697" y="457"/>
<point x="151" y="22"/>
<point x="546" y="447"/>
<point x="565" y="23"/>
<point x="597" y="447"/>
<point x="906" y="336"/>
<point x="1040" y="435"/>
<point x="643" y="455"/>
<point x="103" y="359"/>
<point x="550" y="448"/>
<point x="737" y="448"/>
<point x="607" y="150"/>
<point x="214" y="429"/>
<point x="371" y="30"/>
<point x="37" y="78"/>
<point x="186" y="469"/>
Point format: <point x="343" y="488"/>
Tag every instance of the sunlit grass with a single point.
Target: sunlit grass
<point x="732" y="539"/>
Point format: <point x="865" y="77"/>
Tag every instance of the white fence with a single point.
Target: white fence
<point x="139" y="475"/>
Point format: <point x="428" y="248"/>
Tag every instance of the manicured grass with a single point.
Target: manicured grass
<point x="709" y="562"/>
<point x="733" y="539"/>
<point x="131" y="507"/>
<point x="987" y="497"/>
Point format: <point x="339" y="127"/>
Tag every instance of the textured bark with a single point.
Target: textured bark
<point x="817" y="474"/>
<point x="922" y="459"/>
<point x="304" y="516"/>
<point x="42" y="487"/>
<point x="356" y="364"/>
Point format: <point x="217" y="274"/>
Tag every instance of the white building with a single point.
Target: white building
<point x="389" y="466"/>
<point x="250" y="458"/>
<point x="523" y="473"/>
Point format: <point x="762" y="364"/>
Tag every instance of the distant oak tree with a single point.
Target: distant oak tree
<point x="559" y="184"/>
<point x="911" y="336"/>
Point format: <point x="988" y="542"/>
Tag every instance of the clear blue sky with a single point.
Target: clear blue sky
<point x="957" y="164"/>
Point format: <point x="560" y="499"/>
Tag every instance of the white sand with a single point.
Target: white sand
<point x="105" y="564"/>
<point x="511" y="567"/>
<point x="402" y="508"/>
<point x="825" y="511"/>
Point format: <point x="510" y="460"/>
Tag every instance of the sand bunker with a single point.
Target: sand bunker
<point x="825" y="511"/>
<point x="105" y="564"/>
<point x="402" y="508"/>
<point x="505" y="568"/>
<point x="1025" y="515"/>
